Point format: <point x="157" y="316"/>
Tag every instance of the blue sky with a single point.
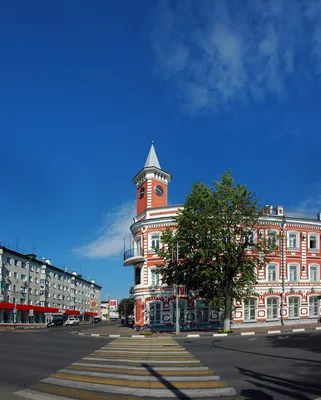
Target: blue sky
<point x="85" y="87"/>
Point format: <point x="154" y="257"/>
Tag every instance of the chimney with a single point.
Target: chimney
<point x="279" y="210"/>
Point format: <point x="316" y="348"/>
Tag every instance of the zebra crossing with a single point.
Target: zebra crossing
<point x="129" y="368"/>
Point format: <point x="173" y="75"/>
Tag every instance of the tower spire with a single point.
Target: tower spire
<point x="152" y="160"/>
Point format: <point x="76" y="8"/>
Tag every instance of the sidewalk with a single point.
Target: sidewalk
<point x="125" y="331"/>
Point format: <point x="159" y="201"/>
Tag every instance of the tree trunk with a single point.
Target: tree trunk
<point x="227" y="311"/>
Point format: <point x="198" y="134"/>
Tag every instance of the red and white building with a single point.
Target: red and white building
<point x="288" y="286"/>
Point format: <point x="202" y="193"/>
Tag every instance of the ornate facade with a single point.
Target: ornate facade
<point x="288" y="289"/>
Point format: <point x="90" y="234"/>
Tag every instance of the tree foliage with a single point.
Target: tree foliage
<point x="126" y="305"/>
<point x="213" y="241"/>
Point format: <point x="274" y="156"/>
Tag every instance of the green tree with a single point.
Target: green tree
<point x="213" y="237"/>
<point x="126" y="306"/>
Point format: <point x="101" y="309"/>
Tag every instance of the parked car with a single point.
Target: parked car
<point x="72" y="321"/>
<point x="55" y="322"/>
<point x="97" y="319"/>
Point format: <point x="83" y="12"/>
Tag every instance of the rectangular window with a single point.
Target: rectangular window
<point x="42" y="281"/>
<point x="32" y="268"/>
<point x="252" y="237"/>
<point x="9" y="260"/>
<point x="23" y="265"/>
<point x="293" y="273"/>
<point x="23" y="277"/>
<point x="314" y="306"/>
<point x="15" y="275"/>
<point x="313" y="241"/>
<point x="31" y="279"/>
<point x="16" y="262"/>
<point x="272" y="240"/>
<point x="155" y="278"/>
<point x="313" y="273"/>
<point x="155" y="313"/>
<point x="293" y="241"/>
<point x="294" y="307"/>
<point x="36" y="280"/>
<point x="36" y="292"/>
<point x="250" y="310"/>
<point x="271" y="273"/>
<point x="155" y="241"/>
<point x="22" y="301"/>
<point x="272" y="304"/>
<point x="37" y="270"/>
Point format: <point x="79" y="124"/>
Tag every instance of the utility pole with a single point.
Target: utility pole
<point x="108" y="310"/>
<point x="283" y="244"/>
<point x="177" y="298"/>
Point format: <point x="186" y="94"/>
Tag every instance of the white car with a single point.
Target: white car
<point x="72" y="321"/>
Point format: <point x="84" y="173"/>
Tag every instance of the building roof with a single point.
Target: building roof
<point x="33" y="257"/>
<point x="152" y="160"/>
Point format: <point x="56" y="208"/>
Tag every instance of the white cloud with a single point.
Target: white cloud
<point x="110" y="241"/>
<point x="218" y="52"/>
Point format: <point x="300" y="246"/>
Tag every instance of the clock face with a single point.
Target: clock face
<point x="159" y="190"/>
<point x="141" y="192"/>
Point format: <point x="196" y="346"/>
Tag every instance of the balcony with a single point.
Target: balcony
<point x="133" y="256"/>
<point x="133" y="253"/>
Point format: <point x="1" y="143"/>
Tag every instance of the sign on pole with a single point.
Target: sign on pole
<point x="93" y="304"/>
<point x="14" y="311"/>
<point x="30" y="313"/>
<point x="113" y="305"/>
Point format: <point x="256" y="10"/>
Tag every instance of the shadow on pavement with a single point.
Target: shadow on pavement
<point x="252" y="394"/>
<point x="298" y="341"/>
<point x="169" y="385"/>
<point x="284" y="386"/>
<point x="215" y="342"/>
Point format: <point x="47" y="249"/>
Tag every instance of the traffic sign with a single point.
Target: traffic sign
<point x="1" y="298"/>
<point x="15" y="311"/>
<point x="30" y="313"/>
<point x="93" y="304"/>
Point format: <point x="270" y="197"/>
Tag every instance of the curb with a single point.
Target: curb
<point x="200" y="335"/>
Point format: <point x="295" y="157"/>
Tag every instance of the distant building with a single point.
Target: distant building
<point x="104" y="311"/>
<point x="33" y="289"/>
<point x="288" y="287"/>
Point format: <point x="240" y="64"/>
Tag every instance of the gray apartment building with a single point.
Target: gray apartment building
<point x="33" y="289"/>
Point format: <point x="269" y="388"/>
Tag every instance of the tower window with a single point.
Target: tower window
<point x="159" y="190"/>
<point x="141" y="192"/>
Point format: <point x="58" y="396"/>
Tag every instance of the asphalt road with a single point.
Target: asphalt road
<point x="27" y="357"/>
<point x="258" y="367"/>
<point x="265" y="367"/>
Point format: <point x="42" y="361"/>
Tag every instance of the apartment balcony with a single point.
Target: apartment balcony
<point x="133" y="253"/>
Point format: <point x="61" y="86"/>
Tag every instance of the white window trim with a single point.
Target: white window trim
<point x="254" y="232"/>
<point x="276" y="265"/>
<point x="313" y="316"/>
<point x="297" y="240"/>
<point x="297" y="271"/>
<point x="276" y="238"/>
<point x="288" y="301"/>
<point x="318" y="241"/>
<point x="150" y="249"/>
<point x="256" y="307"/>
<point x="161" y="311"/>
<point x="266" y="307"/>
<point x="318" y="272"/>
<point x="150" y="271"/>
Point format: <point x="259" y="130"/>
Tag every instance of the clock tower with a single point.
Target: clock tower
<point x="151" y="183"/>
